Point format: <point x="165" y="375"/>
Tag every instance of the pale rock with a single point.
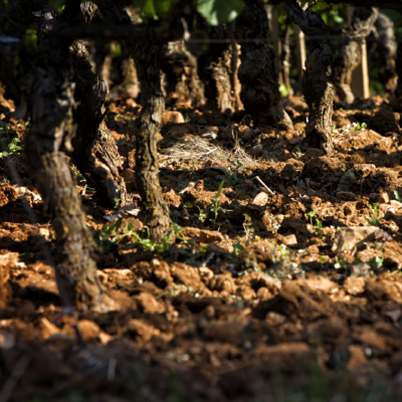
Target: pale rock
<point x="348" y="239"/>
<point x="172" y="117"/>
<point x="354" y="285"/>
<point x="142" y="330"/>
<point x="321" y="283"/>
<point x="88" y="329"/>
<point x="187" y="275"/>
<point x="149" y="304"/>
<point x="204" y="236"/>
<point x="395" y="204"/>
<point x="47" y="328"/>
<point x="261" y="199"/>
<point x="383" y="198"/>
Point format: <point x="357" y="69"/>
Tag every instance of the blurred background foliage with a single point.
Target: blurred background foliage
<point x="222" y="12"/>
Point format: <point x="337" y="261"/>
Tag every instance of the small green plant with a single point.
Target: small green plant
<point x="116" y="202"/>
<point x="216" y="205"/>
<point x="284" y="90"/>
<point x="248" y="229"/>
<point x="297" y="150"/>
<point x="373" y="221"/>
<point x="238" y="248"/>
<point x="397" y="196"/>
<point x="109" y="235"/>
<point x="376" y="262"/>
<point x="358" y="127"/>
<point x="312" y="215"/>
<point x="9" y="145"/>
<point x="112" y="233"/>
<point x="318" y="223"/>
<point x="318" y="226"/>
<point x="149" y="244"/>
<point x="339" y="263"/>
<point x="351" y="129"/>
<point x="232" y="173"/>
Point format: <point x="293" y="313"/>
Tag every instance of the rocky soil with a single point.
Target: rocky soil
<point x="285" y="292"/>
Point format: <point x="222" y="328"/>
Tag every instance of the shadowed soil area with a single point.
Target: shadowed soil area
<point x="290" y="293"/>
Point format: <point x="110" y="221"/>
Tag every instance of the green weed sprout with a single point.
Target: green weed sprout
<point x="397" y="196"/>
<point x="111" y="234"/>
<point x="248" y="229"/>
<point x="318" y="223"/>
<point x="216" y="205"/>
<point x="373" y="221"/>
<point x="9" y="146"/>
<point x="376" y="262"/>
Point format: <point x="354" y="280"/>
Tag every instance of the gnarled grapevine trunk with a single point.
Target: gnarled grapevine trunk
<point x="317" y="88"/>
<point x="398" y="92"/>
<point x="215" y="69"/>
<point x="95" y="152"/>
<point x="257" y="73"/>
<point x="350" y="54"/>
<point x="180" y="67"/>
<point x="46" y="82"/>
<point x="387" y="48"/>
<point x="147" y="59"/>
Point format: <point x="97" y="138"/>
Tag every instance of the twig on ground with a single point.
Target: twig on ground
<point x="265" y="186"/>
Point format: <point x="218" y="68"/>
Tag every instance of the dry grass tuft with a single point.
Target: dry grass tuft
<point x="196" y="150"/>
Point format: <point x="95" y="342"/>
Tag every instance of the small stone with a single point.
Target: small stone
<point x="131" y="103"/>
<point x="348" y="239"/>
<point x="44" y="232"/>
<point x="289" y="240"/>
<point x="161" y="271"/>
<point x="172" y="117"/>
<point x="148" y="303"/>
<point x="88" y="329"/>
<point x="205" y="273"/>
<point x="360" y="269"/>
<point x="395" y="204"/>
<point x="142" y="330"/>
<point x="383" y="198"/>
<point x="222" y="282"/>
<point x="357" y="357"/>
<point x="47" y="328"/>
<point x="204" y="236"/>
<point x="347" y="210"/>
<point x="294" y="140"/>
<point x="354" y="285"/>
<point x="187" y="275"/>
<point x="274" y="318"/>
<point x="263" y="293"/>
<point x="261" y="199"/>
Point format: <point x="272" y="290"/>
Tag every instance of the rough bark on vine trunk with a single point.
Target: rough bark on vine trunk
<point x="215" y="69"/>
<point x="257" y="73"/>
<point x="45" y="80"/>
<point x="317" y="88"/>
<point x="398" y="91"/>
<point x="180" y="67"/>
<point x="363" y="21"/>
<point x="286" y="54"/>
<point x="95" y="153"/>
<point x="387" y="48"/>
<point x="147" y="59"/>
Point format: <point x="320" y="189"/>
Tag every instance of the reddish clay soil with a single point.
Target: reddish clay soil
<point x="269" y="300"/>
